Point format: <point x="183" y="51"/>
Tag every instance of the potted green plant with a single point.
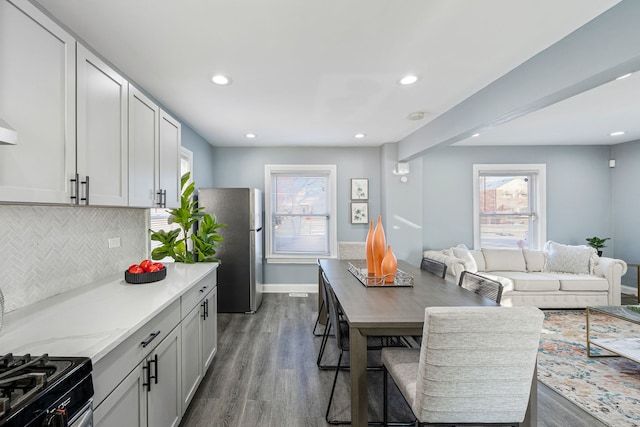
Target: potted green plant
<point x="175" y="243"/>
<point x="597" y="243"/>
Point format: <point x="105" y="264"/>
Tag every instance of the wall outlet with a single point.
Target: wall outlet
<point x="114" y="242"/>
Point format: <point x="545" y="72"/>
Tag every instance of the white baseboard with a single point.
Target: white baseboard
<point x="629" y="290"/>
<point x="272" y="288"/>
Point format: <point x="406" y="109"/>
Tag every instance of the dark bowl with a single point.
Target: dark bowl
<point x="137" y="279"/>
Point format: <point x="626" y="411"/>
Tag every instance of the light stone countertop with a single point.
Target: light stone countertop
<point x="92" y="320"/>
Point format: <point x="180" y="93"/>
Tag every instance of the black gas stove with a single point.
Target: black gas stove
<point x="44" y="391"/>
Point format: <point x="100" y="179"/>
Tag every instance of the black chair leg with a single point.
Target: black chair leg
<point x="333" y="389"/>
<point x="318" y="321"/>
<point x="323" y="345"/>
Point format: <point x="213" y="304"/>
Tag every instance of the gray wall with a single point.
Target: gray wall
<point x="244" y="167"/>
<point x="578" y="191"/>
<point x="626" y="206"/>
<point x="202" y="156"/>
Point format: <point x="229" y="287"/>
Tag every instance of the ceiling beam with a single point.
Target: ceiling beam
<point x="596" y="53"/>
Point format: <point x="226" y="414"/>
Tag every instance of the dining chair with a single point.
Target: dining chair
<point x="435" y="267"/>
<point x="322" y="304"/>
<point x="481" y="285"/>
<point x="341" y="333"/>
<point x="476" y="366"/>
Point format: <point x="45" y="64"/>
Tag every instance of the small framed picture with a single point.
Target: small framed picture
<point x="359" y="189"/>
<point x="359" y="213"/>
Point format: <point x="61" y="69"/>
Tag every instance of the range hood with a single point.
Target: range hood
<point x="7" y="134"/>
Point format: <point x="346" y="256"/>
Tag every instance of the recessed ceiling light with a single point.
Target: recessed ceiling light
<point x="408" y="80"/>
<point x="618" y="133"/>
<point x="221" y="80"/>
<point x="624" y="76"/>
<point x="417" y="115"/>
<point x="359" y="135"/>
<point x="475" y="135"/>
<point x="250" y="135"/>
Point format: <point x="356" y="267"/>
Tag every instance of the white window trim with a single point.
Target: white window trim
<point x="333" y="231"/>
<point x="540" y="196"/>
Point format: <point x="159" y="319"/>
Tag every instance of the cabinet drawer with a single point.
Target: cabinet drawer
<point x="115" y="366"/>
<point x="193" y="296"/>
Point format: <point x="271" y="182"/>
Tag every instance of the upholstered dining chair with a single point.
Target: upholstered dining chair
<point x="481" y="285"/>
<point x="475" y="366"/>
<point x="341" y="333"/>
<point x="434" y="267"/>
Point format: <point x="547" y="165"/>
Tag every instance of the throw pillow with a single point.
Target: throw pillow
<point x="504" y="260"/>
<point x="569" y="259"/>
<point x="462" y="252"/>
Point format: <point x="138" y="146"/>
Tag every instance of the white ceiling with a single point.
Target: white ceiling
<point x="314" y="73"/>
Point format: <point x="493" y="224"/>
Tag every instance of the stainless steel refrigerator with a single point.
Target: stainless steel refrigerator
<point x="240" y="253"/>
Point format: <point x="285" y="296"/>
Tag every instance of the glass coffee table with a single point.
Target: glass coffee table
<point x="627" y="346"/>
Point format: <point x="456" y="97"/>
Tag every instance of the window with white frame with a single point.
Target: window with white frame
<point x="300" y="213"/>
<point x="158" y="217"/>
<point x="509" y="206"/>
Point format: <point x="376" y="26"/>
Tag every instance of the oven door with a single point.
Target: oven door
<point x="84" y="417"/>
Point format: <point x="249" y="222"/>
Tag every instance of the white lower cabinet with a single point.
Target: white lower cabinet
<point x="149" y="379"/>
<point x="199" y="331"/>
<point x="151" y="394"/>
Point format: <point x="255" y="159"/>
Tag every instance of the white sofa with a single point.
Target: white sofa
<point x="556" y="277"/>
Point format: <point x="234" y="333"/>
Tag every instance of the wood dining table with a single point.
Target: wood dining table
<point x="394" y="311"/>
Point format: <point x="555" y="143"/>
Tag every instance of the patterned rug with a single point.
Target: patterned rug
<point x="607" y="387"/>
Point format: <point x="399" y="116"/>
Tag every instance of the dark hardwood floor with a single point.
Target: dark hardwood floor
<point x="265" y="374"/>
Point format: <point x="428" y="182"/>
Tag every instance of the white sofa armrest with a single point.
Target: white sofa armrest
<point x="613" y="269"/>
<point x="455" y="267"/>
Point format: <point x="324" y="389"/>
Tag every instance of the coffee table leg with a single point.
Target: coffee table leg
<point x="359" y="409"/>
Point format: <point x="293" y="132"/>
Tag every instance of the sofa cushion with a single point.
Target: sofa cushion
<point x="534" y="259"/>
<point x="580" y="282"/>
<point x="569" y="259"/>
<point x="477" y="255"/>
<point x="527" y="282"/>
<point x="504" y="260"/>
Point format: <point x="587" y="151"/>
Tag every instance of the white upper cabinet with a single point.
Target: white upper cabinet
<point x="169" y="161"/>
<point x="38" y="99"/>
<point x="102" y="132"/>
<point x="154" y="154"/>
<point x="144" y="118"/>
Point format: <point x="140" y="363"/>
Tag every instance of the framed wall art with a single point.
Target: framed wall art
<point x="359" y="213"/>
<point x="359" y="189"/>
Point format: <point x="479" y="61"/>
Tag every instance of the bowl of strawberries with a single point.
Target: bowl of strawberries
<point x="145" y="272"/>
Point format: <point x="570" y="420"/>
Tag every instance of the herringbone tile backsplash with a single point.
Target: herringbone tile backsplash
<point x="47" y="250"/>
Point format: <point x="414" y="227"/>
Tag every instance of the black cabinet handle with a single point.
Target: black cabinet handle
<point x="204" y="309"/>
<point x="151" y="337"/>
<point x="85" y="199"/>
<point x="155" y="369"/>
<point x="146" y="373"/>
<point x="75" y="186"/>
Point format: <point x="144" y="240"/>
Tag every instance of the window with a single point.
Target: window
<point x="300" y="207"/>
<point x="158" y="217"/>
<point x="509" y="206"/>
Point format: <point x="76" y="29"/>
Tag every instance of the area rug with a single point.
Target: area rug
<point x="607" y="387"/>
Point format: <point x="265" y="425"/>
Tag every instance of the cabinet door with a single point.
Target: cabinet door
<point x="126" y="405"/>
<point x="164" y="408"/>
<point x="169" y="159"/>
<point x="102" y="130"/>
<point x="37" y="99"/>
<point x="143" y="142"/>
<point x="191" y="354"/>
<point x="210" y="330"/>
